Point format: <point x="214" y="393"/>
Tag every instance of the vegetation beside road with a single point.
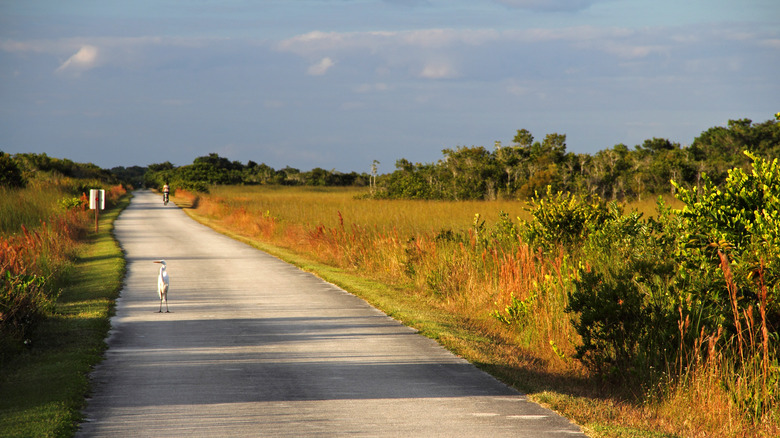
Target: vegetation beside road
<point x="660" y="354"/>
<point x="59" y="282"/>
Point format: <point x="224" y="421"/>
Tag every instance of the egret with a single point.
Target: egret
<point x="162" y="285"/>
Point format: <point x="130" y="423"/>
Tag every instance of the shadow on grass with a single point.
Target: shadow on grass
<point x="536" y="381"/>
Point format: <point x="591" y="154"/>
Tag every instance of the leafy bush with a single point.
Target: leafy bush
<point x="736" y="228"/>
<point x="650" y="291"/>
<point x="70" y="203"/>
<point x="10" y="174"/>
<point x="563" y="219"/>
<point x="516" y="312"/>
<point x="622" y="300"/>
<point x="24" y="301"/>
<point x="612" y="320"/>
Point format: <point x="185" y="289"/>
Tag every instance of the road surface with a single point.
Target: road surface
<point x="254" y="346"/>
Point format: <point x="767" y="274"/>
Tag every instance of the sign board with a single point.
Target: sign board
<point x="97" y="199"/>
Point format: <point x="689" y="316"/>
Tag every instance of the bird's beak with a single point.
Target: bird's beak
<point x="156" y="261"/>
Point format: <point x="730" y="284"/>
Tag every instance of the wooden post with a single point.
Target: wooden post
<point x="97" y="209"/>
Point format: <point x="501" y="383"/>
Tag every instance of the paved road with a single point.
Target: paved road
<point x="256" y="347"/>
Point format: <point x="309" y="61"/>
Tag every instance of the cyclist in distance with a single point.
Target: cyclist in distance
<point x="166" y="190"/>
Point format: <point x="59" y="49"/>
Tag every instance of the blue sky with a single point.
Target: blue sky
<point x="339" y="83"/>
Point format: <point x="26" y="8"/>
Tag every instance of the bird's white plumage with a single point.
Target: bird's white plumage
<point x="162" y="284"/>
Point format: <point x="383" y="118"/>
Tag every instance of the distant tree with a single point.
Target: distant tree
<point x="553" y="147"/>
<point x="657" y="145"/>
<point x="523" y="138"/>
<point x="719" y="149"/>
<point x="316" y="177"/>
<point x="133" y="175"/>
<point x="215" y="161"/>
<point x="292" y="176"/>
<point x="259" y="174"/>
<point x="471" y="173"/>
<point x="372" y="183"/>
<point x="510" y="160"/>
<point x="411" y="181"/>
<point x="10" y="174"/>
<point x="160" y="167"/>
<point x="30" y="162"/>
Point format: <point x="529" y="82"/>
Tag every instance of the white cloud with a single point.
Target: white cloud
<point x="438" y="70"/>
<point x="439" y="38"/>
<point x="318" y="42"/>
<point x="321" y="67"/>
<point x="517" y="90"/>
<point x="83" y="60"/>
<point x="421" y="43"/>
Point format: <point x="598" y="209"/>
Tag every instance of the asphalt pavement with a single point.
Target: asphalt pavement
<point x="254" y="346"/>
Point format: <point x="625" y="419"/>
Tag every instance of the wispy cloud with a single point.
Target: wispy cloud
<point x="321" y="67"/>
<point x="85" y="59"/>
<point x="317" y="42"/>
<point x="438" y="70"/>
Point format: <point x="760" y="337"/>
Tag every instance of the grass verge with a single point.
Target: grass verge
<point x="43" y="389"/>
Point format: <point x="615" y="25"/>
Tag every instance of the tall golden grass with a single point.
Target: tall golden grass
<point x="40" y="236"/>
<point x="406" y="244"/>
<point x="396" y="242"/>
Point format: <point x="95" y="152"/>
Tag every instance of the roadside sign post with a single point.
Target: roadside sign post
<point x="97" y="202"/>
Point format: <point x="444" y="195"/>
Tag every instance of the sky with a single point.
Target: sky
<point x="337" y="84"/>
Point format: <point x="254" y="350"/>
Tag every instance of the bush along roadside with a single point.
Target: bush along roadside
<point x="55" y="320"/>
<point x="688" y="302"/>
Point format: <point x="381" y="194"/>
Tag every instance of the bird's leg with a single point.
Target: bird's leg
<point x="160" y="311"/>
<point x="166" y="306"/>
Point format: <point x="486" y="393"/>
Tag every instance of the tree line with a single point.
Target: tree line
<point x="213" y="169"/>
<point x="527" y="166"/>
<point x="515" y="171"/>
<point x="18" y="169"/>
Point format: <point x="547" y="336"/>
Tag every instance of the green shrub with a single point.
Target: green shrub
<point x="516" y="312"/>
<point x="563" y="219"/>
<point x="10" y="174"/>
<point x="623" y="307"/>
<point x="649" y="291"/>
<point x="24" y="301"/>
<point x="70" y="203"/>
<point x="612" y="320"/>
<point x="739" y="221"/>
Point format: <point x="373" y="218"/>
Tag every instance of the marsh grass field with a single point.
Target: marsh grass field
<point x="427" y="264"/>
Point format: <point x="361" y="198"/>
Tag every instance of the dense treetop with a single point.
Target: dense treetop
<point x="526" y="166"/>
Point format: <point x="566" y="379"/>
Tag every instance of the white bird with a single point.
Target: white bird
<point x="162" y="285"/>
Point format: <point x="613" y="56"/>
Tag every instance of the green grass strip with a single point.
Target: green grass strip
<point x="42" y="391"/>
